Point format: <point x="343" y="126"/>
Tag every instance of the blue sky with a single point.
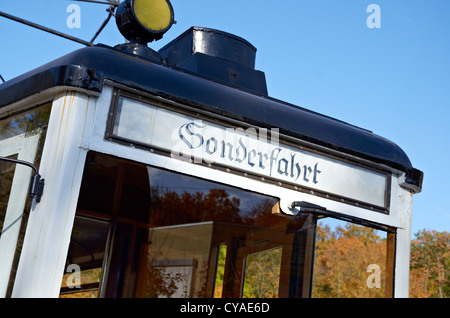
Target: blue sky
<point x="318" y="54"/>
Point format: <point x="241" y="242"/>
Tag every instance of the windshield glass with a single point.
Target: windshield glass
<point x="174" y="235"/>
<point x="142" y="231"/>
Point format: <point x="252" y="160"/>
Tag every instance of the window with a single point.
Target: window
<point x="262" y="274"/>
<point x="142" y="231"/>
<point x="352" y="261"/>
<point x="21" y="137"/>
<point x="7" y="170"/>
<point x="87" y="248"/>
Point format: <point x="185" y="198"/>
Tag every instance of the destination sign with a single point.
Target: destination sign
<point x="253" y="150"/>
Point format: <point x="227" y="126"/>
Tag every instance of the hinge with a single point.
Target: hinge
<point x="36" y="183"/>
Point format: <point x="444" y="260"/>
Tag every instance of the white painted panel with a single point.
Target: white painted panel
<point x="47" y="239"/>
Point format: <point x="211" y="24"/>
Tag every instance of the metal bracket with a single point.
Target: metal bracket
<point x="36" y="182"/>
<point x="36" y="187"/>
<point x="307" y="207"/>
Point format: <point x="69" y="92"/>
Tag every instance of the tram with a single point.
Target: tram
<point x="128" y="172"/>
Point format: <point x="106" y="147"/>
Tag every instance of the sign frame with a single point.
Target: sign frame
<point x="226" y="123"/>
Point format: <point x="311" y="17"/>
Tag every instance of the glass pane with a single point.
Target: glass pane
<point x="28" y="122"/>
<point x="6" y="176"/>
<point x="220" y="271"/>
<point x="192" y="218"/>
<point x="262" y="274"/>
<point x="85" y="287"/>
<point x="85" y="258"/>
<point x="350" y="261"/>
<point x="131" y="119"/>
<point x="170" y="259"/>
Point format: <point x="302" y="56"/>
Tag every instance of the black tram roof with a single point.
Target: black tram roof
<point x="220" y="81"/>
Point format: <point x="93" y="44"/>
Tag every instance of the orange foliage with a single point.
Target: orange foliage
<point x="342" y="257"/>
<point x="430" y="265"/>
<point x="341" y="261"/>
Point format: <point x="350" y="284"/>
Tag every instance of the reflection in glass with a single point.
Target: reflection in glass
<point x="220" y="271"/>
<point x="85" y="258"/>
<point x="262" y="274"/>
<point x="343" y="254"/>
<point x="6" y="176"/>
<point x="28" y="122"/>
<point x="132" y="118"/>
<point x="172" y="235"/>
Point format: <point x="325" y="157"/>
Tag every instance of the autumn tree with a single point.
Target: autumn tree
<point x="262" y="274"/>
<point x="341" y="260"/>
<point x="430" y="265"/>
<point x="169" y="207"/>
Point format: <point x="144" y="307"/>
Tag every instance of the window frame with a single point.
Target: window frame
<point x="27" y="146"/>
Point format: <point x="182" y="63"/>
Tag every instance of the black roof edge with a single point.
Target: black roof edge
<point x="88" y="68"/>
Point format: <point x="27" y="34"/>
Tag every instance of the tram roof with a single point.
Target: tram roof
<point x="88" y="69"/>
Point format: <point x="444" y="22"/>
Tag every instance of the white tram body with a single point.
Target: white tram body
<point x="115" y="120"/>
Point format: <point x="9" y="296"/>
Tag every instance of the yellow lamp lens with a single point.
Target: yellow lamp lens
<point x="155" y="15"/>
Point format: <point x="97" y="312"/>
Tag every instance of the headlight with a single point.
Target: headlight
<point x="144" y="21"/>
